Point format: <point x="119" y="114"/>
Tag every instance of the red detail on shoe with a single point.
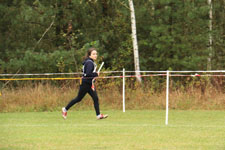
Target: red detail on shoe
<point x="64" y="114"/>
<point x="102" y="116"/>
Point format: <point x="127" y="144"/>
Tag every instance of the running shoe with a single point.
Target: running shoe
<point x="101" y="116"/>
<point x="64" y="112"/>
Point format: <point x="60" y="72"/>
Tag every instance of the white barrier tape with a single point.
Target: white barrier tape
<point x="213" y="71"/>
<point x="197" y="75"/>
<point x="105" y="72"/>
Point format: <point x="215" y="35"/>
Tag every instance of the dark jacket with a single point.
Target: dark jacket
<point x="89" y="71"/>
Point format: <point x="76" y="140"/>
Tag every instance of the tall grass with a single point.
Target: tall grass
<point x="149" y="95"/>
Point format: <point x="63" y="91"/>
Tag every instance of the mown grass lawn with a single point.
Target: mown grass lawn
<point x="132" y="130"/>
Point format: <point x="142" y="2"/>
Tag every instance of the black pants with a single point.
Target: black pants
<point x="84" y="89"/>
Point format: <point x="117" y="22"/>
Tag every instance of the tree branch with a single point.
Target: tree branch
<point x="45" y="32"/>
<point x="123" y="4"/>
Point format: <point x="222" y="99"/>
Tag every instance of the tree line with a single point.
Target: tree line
<point x="38" y="36"/>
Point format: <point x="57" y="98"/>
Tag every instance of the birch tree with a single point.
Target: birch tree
<point x="209" y="63"/>
<point x="134" y="39"/>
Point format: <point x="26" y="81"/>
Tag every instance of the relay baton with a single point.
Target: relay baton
<point x="100" y="67"/>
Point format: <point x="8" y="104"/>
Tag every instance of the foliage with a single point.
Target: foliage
<point x="171" y="34"/>
<point x="37" y="62"/>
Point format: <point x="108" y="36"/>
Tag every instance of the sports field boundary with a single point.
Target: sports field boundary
<point x="167" y="74"/>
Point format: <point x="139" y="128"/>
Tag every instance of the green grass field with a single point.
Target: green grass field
<point x="132" y="130"/>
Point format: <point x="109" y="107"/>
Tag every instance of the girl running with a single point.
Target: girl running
<point x="89" y="73"/>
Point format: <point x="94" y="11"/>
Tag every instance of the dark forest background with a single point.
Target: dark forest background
<point x="38" y="36"/>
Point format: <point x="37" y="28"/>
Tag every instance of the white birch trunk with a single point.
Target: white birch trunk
<point x="209" y="63"/>
<point x="134" y="39"/>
